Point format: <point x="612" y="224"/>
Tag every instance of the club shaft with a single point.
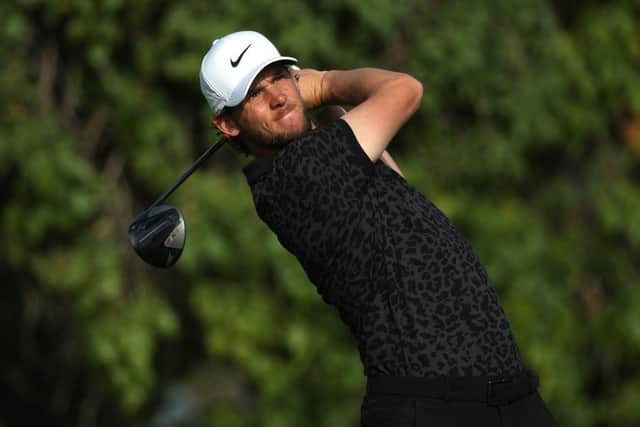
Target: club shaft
<point x="189" y="171"/>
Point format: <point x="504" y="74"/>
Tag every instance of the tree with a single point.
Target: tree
<point x="528" y="138"/>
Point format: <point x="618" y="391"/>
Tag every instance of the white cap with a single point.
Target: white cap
<point x="232" y="63"/>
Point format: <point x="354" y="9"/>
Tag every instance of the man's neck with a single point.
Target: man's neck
<point x="261" y="150"/>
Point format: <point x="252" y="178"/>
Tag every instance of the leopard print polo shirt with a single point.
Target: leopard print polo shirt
<point x="408" y="285"/>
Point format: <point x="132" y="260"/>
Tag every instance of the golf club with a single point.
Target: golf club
<point x="158" y="234"/>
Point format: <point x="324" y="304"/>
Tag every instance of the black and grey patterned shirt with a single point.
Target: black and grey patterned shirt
<point x="404" y="280"/>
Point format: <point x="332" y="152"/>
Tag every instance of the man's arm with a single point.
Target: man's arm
<point x="388" y="160"/>
<point x="383" y="101"/>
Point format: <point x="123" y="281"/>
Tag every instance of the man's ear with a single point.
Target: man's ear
<point x="226" y="124"/>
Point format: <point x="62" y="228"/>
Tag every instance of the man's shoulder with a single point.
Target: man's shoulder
<point x="325" y="134"/>
<point x="330" y="144"/>
<point x="326" y="150"/>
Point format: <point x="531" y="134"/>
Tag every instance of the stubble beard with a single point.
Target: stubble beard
<point x="282" y="139"/>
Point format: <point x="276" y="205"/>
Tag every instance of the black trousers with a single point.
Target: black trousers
<point x="397" y="409"/>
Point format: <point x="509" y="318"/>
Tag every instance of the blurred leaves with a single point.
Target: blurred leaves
<point x="527" y="138"/>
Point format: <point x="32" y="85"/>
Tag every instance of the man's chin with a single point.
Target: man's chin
<point x="282" y="137"/>
<point x="286" y="136"/>
<point x="275" y="141"/>
<point x="295" y="124"/>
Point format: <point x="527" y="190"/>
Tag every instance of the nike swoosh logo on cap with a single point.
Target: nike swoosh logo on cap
<point x="235" y="63"/>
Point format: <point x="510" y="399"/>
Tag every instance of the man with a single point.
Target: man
<point x="435" y="343"/>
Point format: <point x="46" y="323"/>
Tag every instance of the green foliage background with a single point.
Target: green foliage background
<point x="528" y="138"/>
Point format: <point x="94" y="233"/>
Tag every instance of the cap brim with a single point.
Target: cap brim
<point x="239" y="94"/>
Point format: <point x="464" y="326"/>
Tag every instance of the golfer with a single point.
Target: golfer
<point x="435" y="343"/>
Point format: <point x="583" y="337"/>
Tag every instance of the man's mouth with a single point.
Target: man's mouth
<point x="285" y="111"/>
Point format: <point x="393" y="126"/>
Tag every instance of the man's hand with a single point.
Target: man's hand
<point x="311" y="86"/>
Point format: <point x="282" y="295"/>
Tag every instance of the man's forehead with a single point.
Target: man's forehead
<point x="269" y="71"/>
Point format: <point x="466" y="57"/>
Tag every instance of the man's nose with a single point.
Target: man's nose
<point x="277" y="97"/>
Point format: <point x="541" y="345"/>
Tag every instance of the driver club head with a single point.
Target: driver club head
<point x="158" y="235"/>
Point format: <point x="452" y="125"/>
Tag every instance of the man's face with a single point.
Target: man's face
<point x="272" y="113"/>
